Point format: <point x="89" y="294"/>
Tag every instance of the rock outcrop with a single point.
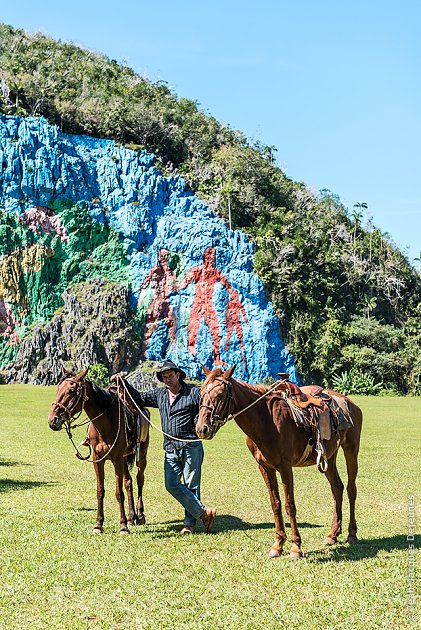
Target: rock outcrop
<point x="95" y="325"/>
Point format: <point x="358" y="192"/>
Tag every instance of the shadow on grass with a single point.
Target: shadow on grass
<point x="8" y="462"/>
<point x="8" y="485"/>
<point x="364" y="549"/>
<point x="226" y="523"/>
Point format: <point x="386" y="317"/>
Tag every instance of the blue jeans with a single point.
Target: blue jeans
<point x="186" y="462"/>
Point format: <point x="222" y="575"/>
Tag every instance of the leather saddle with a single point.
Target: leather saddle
<point x="305" y="395"/>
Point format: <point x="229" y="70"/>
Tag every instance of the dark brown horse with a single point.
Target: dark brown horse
<point x="112" y="435"/>
<point x="278" y="444"/>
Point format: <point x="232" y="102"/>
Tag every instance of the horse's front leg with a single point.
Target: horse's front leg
<point x="337" y="488"/>
<point x="128" y="484"/>
<point x="119" y="495"/>
<point x="351" y="456"/>
<point x="288" y="484"/>
<point x="100" y="491"/>
<point x="141" y="480"/>
<point x="269" y="476"/>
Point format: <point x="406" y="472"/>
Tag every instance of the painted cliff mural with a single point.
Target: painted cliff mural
<point x="73" y="209"/>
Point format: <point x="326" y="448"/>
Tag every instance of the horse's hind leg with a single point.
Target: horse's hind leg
<point x="140" y="481"/>
<point x="128" y="484"/>
<point x="337" y="488"/>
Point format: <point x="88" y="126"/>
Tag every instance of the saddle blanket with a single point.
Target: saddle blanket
<point x="333" y="416"/>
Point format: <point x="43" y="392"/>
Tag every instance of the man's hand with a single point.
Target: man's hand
<point x="115" y="377"/>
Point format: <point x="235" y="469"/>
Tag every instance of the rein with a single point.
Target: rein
<point x="257" y="400"/>
<point x="96" y="461"/>
<point x="227" y="402"/>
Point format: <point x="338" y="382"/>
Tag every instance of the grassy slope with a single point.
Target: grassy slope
<point x="56" y="574"/>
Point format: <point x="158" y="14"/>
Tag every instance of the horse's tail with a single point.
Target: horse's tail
<point x="131" y="459"/>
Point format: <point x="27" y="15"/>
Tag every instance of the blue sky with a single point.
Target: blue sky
<point x="335" y="87"/>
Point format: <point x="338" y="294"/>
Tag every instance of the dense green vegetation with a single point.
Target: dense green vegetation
<point x="348" y="300"/>
<point x="56" y="574"/>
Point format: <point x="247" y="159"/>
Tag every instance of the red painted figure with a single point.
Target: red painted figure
<point x="163" y="281"/>
<point x="233" y="320"/>
<point x="206" y="276"/>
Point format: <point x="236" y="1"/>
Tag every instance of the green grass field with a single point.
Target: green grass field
<point x="54" y="573"/>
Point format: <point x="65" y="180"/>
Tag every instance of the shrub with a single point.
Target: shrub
<point x="99" y="374"/>
<point x="356" y="382"/>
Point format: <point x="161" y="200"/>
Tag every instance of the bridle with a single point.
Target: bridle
<point x="69" y="417"/>
<point x="81" y="395"/>
<point x="217" y="420"/>
<point x="68" y="410"/>
<point x="221" y="412"/>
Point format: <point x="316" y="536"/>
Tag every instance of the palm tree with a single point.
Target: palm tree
<point x="357" y="215"/>
<point x="369" y="304"/>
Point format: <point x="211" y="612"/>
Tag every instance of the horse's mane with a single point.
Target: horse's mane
<point x="103" y="396"/>
<point x="258" y="389"/>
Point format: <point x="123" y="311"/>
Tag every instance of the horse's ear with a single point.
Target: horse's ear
<point x="65" y="372"/>
<point x="227" y="375"/>
<point x="205" y="370"/>
<point x="82" y="374"/>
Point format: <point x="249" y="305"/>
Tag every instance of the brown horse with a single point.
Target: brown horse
<point x="278" y="444"/>
<point x="112" y="435"/>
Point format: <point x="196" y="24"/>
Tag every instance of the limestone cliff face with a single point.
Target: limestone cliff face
<point x="96" y="324"/>
<point x="78" y="210"/>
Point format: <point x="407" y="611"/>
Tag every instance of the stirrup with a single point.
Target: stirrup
<point x="322" y="463"/>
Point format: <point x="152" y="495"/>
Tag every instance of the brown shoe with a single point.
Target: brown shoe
<point x="208" y="518"/>
<point x="187" y="529"/>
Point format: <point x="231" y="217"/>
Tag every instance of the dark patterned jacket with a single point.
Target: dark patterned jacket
<point x="178" y="419"/>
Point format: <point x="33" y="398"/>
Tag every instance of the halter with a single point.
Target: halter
<point x="218" y="417"/>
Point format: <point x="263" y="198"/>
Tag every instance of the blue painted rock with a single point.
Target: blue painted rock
<point x="91" y="208"/>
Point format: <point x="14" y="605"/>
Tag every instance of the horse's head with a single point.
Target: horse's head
<point x="215" y="402"/>
<point x="69" y="399"/>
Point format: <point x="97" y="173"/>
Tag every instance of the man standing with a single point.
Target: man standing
<point x="178" y="405"/>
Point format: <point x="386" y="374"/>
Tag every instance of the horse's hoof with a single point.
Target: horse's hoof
<point x="330" y="541"/>
<point x="141" y="520"/>
<point x="295" y="554"/>
<point x="97" y="530"/>
<point x="352" y="540"/>
<point x="124" y="532"/>
<point x="275" y="553"/>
